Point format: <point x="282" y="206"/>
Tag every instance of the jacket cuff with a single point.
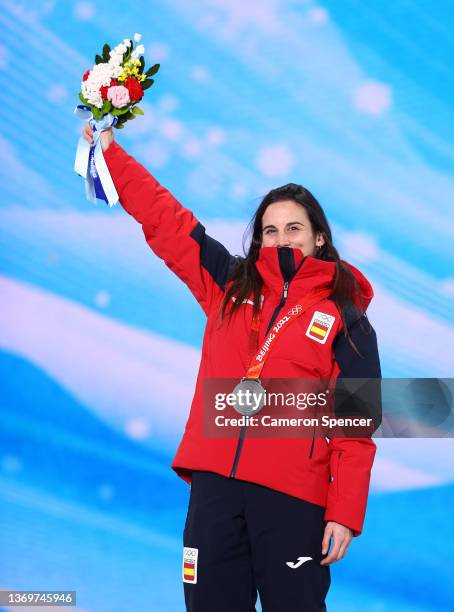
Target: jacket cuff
<point x="344" y="518"/>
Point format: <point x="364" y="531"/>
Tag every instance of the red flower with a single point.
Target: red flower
<point x="134" y="88"/>
<point x="104" y="88"/>
<point x="85" y="77"/>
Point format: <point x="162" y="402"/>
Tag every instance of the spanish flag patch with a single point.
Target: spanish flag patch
<point x="190" y="556"/>
<point x="320" y="326"/>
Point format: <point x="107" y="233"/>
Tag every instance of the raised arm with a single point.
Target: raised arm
<point x="171" y="231"/>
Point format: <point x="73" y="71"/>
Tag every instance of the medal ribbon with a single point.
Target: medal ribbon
<point x="90" y="162"/>
<point x="258" y="361"/>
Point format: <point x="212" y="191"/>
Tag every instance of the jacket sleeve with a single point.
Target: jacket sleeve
<point x="171" y="231"/>
<point x="351" y="458"/>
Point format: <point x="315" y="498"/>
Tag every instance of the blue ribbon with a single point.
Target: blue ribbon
<point x="90" y="162"/>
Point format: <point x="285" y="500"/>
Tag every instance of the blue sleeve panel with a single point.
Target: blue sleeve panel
<point x="358" y="386"/>
<point x="214" y="257"/>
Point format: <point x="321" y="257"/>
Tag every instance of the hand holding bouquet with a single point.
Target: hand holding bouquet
<point x="106" y="137"/>
<point x="109" y="96"/>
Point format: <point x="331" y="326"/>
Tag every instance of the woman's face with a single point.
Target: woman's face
<point x="286" y="223"/>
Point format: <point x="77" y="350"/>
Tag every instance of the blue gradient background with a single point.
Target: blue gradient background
<point x="352" y="99"/>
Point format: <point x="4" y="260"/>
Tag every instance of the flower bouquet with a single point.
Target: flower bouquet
<point x="109" y="96"/>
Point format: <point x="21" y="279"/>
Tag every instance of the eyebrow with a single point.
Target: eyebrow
<point x="290" y="223"/>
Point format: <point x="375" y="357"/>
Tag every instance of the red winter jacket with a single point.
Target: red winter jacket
<point x="334" y="475"/>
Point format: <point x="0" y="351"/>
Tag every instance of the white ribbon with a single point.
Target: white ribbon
<point x="99" y="169"/>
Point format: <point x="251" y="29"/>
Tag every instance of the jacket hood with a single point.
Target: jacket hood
<point x="367" y="292"/>
<point x="307" y="273"/>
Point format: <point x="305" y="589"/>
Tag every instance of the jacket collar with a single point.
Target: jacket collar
<point x="309" y="273"/>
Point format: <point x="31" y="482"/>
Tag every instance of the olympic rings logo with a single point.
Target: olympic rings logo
<point x="296" y="309"/>
<point x="323" y="318"/>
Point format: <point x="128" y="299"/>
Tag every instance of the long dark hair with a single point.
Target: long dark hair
<point x="245" y="276"/>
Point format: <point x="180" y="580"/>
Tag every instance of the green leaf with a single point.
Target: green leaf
<point x="99" y="59"/>
<point x="106" y="107"/>
<point x="97" y="112"/>
<point x="83" y="100"/>
<point x="137" y="111"/>
<point x="142" y="65"/>
<point x="105" y="52"/>
<point x="153" y="70"/>
<point x="119" y="126"/>
<point x="126" y="110"/>
<point x="122" y="120"/>
<point x="117" y="112"/>
<point x="147" y="83"/>
<point x="126" y="116"/>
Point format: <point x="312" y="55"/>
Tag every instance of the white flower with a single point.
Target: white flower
<point x="116" y="70"/>
<point x="140" y="50"/>
<point x="137" y="37"/>
<point x="116" y="60"/>
<point x="100" y="75"/>
<point x="134" y="55"/>
<point x="127" y="42"/>
<point x="119" y="50"/>
<point x="92" y="96"/>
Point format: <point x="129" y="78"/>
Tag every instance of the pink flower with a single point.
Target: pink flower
<point x="104" y="89"/>
<point x="119" y="96"/>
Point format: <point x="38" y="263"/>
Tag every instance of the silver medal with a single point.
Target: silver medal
<point x="250" y="396"/>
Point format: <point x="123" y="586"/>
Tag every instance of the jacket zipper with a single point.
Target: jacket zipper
<point x="244" y="427"/>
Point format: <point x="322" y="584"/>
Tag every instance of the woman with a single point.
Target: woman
<point x="263" y="512"/>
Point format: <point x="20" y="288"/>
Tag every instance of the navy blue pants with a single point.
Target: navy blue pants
<point x="240" y="538"/>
